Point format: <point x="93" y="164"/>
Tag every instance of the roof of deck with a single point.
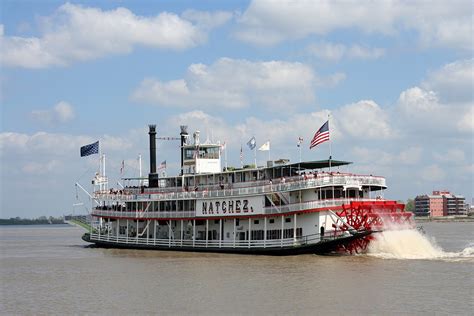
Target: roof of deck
<point x="316" y="164"/>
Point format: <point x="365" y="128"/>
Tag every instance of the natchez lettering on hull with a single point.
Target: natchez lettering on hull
<point x="222" y="207"/>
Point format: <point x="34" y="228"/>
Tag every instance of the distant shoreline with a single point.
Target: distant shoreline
<point x="23" y="221"/>
<point x="444" y="219"/>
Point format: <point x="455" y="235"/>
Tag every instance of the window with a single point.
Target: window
<point x="288" y="220"/>
<point x="272" y="220"/>
<point x="237" y="222"/>
<point x="256" y="222"/>
<point x="216" y="221"/>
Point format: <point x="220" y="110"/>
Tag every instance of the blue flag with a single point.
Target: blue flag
<point x="252" y="143"/>
<point x="90" y="149"/>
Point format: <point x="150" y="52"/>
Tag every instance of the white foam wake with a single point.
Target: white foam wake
<point x="411" y="244"/>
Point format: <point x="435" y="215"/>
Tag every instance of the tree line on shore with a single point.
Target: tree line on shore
<point x="42" y="220"/>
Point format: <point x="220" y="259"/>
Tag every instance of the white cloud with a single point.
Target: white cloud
<point x="267" y="22"/>
<point x="411" y="155"/>
<point x="367" y="155"/>
<point x="76" y="33"/>
<point x="450" y="155"/>
<point x="62" y="112"/>
<point x="422" y="110"/>
<point x="207" y="20"/>
<point x="234" y="83"/>
<point x="331" y="80"/>
<point x="362" y="52"/>
<point x="466" y="123"/>
<point x="454" y="82"/>
<point x="418" y="102"/>
<point x="336" y="51"/>
<point x="38" y="168"/>
<point x="432" y="173"/>
<point x="54" y="144"/>
<point x="327" y="51"/>
<point x="365" y="119"/>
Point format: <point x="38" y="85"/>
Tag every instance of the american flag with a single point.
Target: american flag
<point x="162" y="165"/>
<point x="321" y="136"/>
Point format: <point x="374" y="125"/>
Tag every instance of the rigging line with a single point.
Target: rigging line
<point x="87" y="171"/>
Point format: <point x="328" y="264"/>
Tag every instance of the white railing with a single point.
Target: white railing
<point x="309" y="205"/>
<point x="176" y="243"/>
<point x="140" y="215"/>
<point x="295" y="183"/>
<point x="266" y="211"/>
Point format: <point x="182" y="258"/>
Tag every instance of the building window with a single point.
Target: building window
<point x="288" y="220"/>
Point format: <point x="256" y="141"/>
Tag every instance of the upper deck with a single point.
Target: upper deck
<point x="282" y="184"/>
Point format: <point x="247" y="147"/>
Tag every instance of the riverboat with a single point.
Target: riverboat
<point x="282" y="208"/>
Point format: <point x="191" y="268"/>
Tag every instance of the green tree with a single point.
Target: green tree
<point x="410" y="206"/>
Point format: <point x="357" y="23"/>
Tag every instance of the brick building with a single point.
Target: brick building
<point x="440" y="203"/>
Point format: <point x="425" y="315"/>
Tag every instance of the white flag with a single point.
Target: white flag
<point x="265" y="146"/>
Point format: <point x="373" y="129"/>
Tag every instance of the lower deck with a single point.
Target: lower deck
<point x="312" y="244"/>
<point x="305" y="232"/>
<point x="218" y="230"/>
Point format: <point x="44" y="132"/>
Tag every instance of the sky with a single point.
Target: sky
<point x="396" y="78"/>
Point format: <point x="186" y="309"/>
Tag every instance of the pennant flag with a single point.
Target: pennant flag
<point x="300" y="141"/>
<point x="265" y="146"/>
<point x="122" y="167"/>
<point x="252" y="143"/>
<point x="90" y="149"/>
<point x="321" y="136"/>
<point x="162" y="165"/>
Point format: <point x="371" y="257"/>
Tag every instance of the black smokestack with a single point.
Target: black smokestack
<point x="152" y="177"/>
<point x="152" y="134"/>
<point x="184" y="136"/>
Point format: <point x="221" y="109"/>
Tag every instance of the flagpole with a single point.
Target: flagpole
<point x="225" y="155"/>
<point x="255" y="155"/>
<point x="269" y="149"/>
<point x="140" y="167"/>
<point x="299" y="147"/>
<point x="241" y="156"/>
<point x="330" y="155"/>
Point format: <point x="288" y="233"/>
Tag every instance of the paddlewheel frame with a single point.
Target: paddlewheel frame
<point x="370" y="216"/>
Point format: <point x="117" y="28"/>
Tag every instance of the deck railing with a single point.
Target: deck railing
<point x="176" y="243"/>
<point x="191" y="214"/>
<point x="295" y="183"/>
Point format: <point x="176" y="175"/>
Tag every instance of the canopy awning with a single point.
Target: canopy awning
<point x="318" y="164"/>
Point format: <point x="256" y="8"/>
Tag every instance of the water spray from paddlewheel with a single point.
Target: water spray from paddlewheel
<point x="374" y="216"/>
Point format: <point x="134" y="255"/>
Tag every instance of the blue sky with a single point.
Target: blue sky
<point x="396" y="76"/>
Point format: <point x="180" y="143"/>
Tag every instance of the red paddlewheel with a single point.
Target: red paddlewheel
<point x="373" y="215"/>
<point x="356" y="246"/>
